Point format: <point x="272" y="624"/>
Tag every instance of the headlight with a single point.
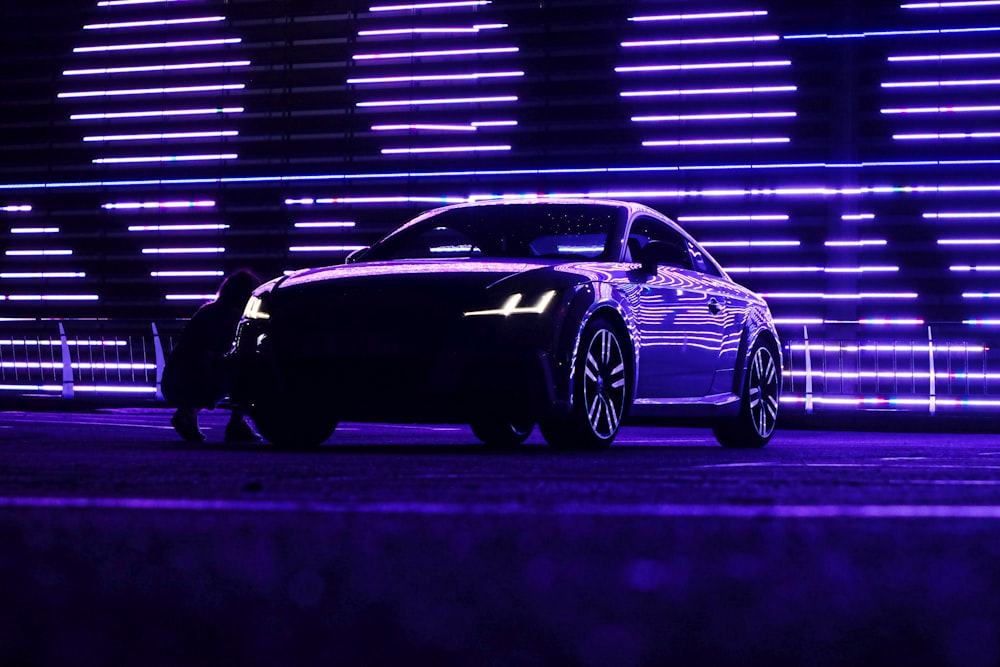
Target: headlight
<point x="513" y="306"/>
<point x="253" y="310"/>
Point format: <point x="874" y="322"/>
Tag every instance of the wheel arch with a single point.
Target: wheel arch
<point x="619" y="320"/>
<point x="748" y="342"/>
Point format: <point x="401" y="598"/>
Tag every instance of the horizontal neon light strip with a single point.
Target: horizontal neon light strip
<point x="892" y="33"/>
<point x="940" y="402"/>
<point x="855" y="244"/>
<point x="181" y="251"/>
<point x="470" y="30"/>
<point x="946" y="135"/>
<point x="811" y="269"/>
<point x="153" y="91"/>
<point x="846" y="297"/>
<point x="750" y="244"/>
<point x="155" y="68"/>
<point x="701" y="66"/>
<point x="444" y="149"/>
<point x="858" y="216"/>
<point x="176" y="228"/>
<point x="133" y="205"/>
<point x="324" y="225"/>
<point x="986" y="322"/>
<point x="718" y="142"/>
<point x="190" y="297"/>
<point x="949" y="5"/>
<point x="424" y="127"/>
<point x="48" y="297"/>
<point x="981" y="295"/>
<point x="714" y="116"/>
<point x="55" y="343"/>
<point x="439" y="100"/>
<point x="941" y="84"/>
<point x="732" y="218"/>
<point x="308" y="201"/>
<point x="872" y="375"/>
<point x="157" y="45"/>
<point x="968" y="242"/>
<point x="113" y="389"/>
<point x="37" y="253"/>
<point x="937" y="57"/>
<point x="43" y="275"/>
<point x="698" y="17"/>
<point x="788" y="321"/>
<point x="472" y="76"/>
<point x="185" y="274"/>
<point x="155" y="114"/>
<point x="871" y="321"/>
<point x="701" y="40"/>
<point x="888" y="347"/>
<point x="80" y="365"/>
<point x="436" y="54"/>
<point x="16" y="208"/>
<point x="965" y="109"/>
<point x="325" y="248"/>
<point x="982" y="267"/>
<point x="34" y="230"/>
<point x="162" y="136"/>
<point x="428" y="5"/>
<point x="154" y="23"/>
<point x="707" y="91"/>
<point x="119" y="3"/>
<point x="968" y="215"/>
<point x="164" y="158"/>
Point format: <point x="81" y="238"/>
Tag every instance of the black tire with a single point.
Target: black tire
<point x="290" y="426"/>
<point x="758" y="416"/>
<point x="497" y="433"/>
<point x="602" y="391"/>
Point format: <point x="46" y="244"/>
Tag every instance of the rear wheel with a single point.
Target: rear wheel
<point x="499" y="433"/>
<point x="293" y="426"/>
<point x="758" y="416"/>
<point x="600" y="392"/>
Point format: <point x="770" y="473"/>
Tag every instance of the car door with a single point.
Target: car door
<point x="679" y="334"/>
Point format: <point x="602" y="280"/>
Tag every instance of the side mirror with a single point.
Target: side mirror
<point x="356" y="256"/>
<point x="661" y="253"/>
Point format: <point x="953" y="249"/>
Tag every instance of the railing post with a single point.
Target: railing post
<point x="809" y="377"/>
<point x="67" y="364"/>
<point x="160" y="361"/>
<point x="932" y="403"/>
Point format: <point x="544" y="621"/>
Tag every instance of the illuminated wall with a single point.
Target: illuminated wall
<point x="841" y="158"/>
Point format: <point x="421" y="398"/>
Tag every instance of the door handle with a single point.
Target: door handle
<point x="715" y="306"/>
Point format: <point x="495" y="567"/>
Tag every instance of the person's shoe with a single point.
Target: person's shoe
<point x="186" y="425"/>
<point x="238" y="430"/>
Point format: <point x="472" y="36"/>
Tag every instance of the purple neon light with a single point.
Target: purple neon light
<point x="701" y="40"/>
<point x="185" y="274"/>
<point x="470" y="76"/>
<point x="38" y="253"/>
<point x="747" y="90"/>
<point x="155" y="114"/>
<point x="811" y="269"/>
<point x="436" y="54"/>
<point x="739" y="141"/>
<point x="968" y="242"/>
<point x="469" y="30"/>
<point x="398" y="199"/>
<point x="48" y="297"/>
<point x="946" y="135"/>
<point x="334" y="224"/>
<point x="325" y="248"/>
<point x="959" y="109"/>
<point x="846" y="297"/>
<point x="429" y="5"/>
<point x="982" y="322"/>
<point x="941" y="84"/>
<point x="131" y="206"/>
<point x="950" y="5"/>
<point x="120" y="3"/>
<point x="44" y="275"/>
<point x="700" y="66"/>
<point x="162" y="136"/>
<point x="857" y="216"/>
<point x="937" y="57"/>
<point x="428" y="127"/>
<point x="177" y="228"/>
<point x="189" y="297"/>
<point x="860" y="243"/>
<point x="57" y="342"/>
<point x="980" y="267"/>
<point x="445" y="149"/>
<point x="981" y="295"/>
<point x="893" y="33"/>
<point x="751" y="244"/>
<point x="157" y="45"/>
<point x="16" y="208"/>
<point x="700" y="16"/>
<point x="156" y="68"/>
<point x="34" y="230"/>
<point x="164" y="158"/>
<point x="182" y="251"/>
<point x="889" y="347"/>
<point x="439" y="100"/>
<point x="972" y="215"/>
<point x="732" y="218"/>
<point x="156" y="23"/>
<point x="756" y="115"/>
<point x="172" y="90"/>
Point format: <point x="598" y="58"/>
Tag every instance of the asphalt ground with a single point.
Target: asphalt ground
<point x="412" y="545"/>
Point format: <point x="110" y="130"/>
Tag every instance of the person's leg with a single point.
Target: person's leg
<point x="238" y="429"/>
<point x="185" y="422"/>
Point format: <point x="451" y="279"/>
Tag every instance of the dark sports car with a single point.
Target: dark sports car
<point x="574" y="315"/>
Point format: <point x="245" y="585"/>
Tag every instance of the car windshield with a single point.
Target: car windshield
<point x="525" y="231"/>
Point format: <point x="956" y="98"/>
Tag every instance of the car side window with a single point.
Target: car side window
<point x="701" y="263"/>
<point x="644" y="230"/>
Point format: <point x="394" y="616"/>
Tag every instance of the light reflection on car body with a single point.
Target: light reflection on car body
<point x="481" y="313"/>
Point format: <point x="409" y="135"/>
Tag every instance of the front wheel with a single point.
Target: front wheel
<point x="758" y="416"/>
<point x="292" y="426"/>
<point x="601" y="392"/>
